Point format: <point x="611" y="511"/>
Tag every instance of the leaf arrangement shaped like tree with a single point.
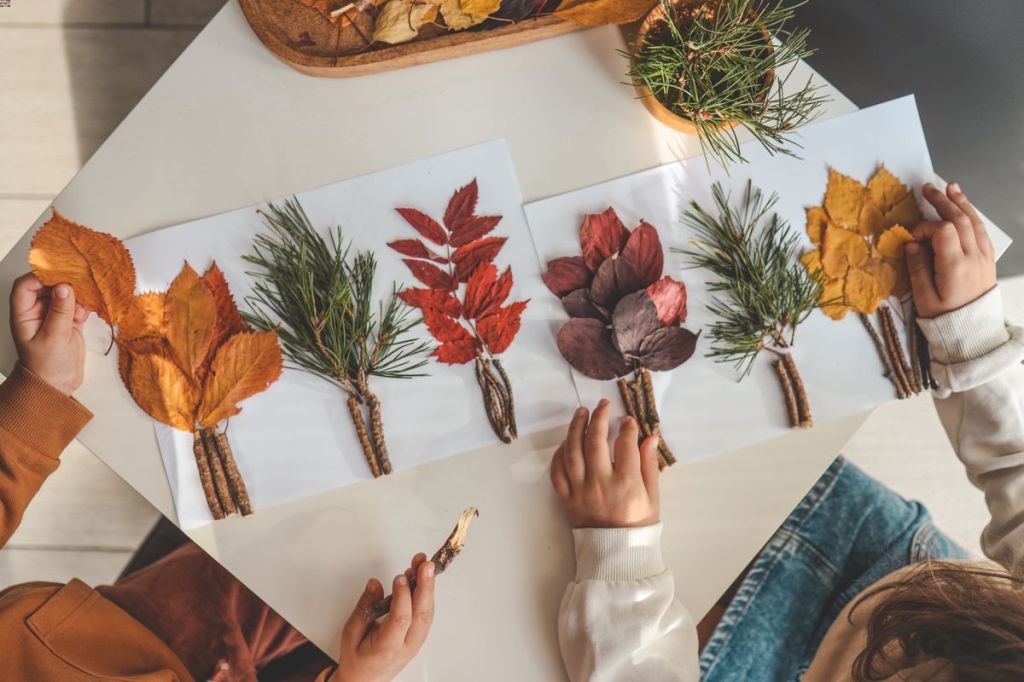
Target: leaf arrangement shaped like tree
<point x="762" y="293"/>
<point x="625" y="316"/>
<point x="464" y="302"/>
<point x="320" y="300"/>
<point x="186" y="355"/>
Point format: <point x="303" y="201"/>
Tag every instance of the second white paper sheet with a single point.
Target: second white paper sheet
<point x="296" y="438"/>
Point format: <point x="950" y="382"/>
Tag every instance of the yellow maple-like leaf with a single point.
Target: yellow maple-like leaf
<point x="600" y="12"/>
<point x="891" y="242"/>
<point x="245" y="365"/>
<point x="844" y="197"/>
<point x="145" y="317"/>
<point x="96" y="265"/>
<point x="862" y="291"/>
<point x="462" y="14"/>
<point x="190" y="317"/>
<point x="399" y="21"/>
<point x="162" y="390"/>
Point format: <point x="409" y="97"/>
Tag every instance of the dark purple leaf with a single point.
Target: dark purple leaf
<point x="587" y="345"/>
<point x="566" y="275"/>
<point x="635" y="317"/>
<point x="643" y="251"/>
<point x="667" y="347"/>
<point x="578" y="304"/>
<point x="614" y="279"/>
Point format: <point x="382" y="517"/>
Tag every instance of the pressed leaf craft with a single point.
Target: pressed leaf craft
<point x="464" y="302"/>
<point x="186" y="356"/>
<point x="624" y="315"/>
<point x="319" y="298"/>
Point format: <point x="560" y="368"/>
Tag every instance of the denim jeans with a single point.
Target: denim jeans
<point x="848" y="532"/>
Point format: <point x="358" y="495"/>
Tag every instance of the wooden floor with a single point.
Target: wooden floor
<point x="70" y="70"/>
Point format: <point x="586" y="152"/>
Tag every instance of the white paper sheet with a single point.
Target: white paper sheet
<point x="296" y="439"/>
<point x="704" y="409"/>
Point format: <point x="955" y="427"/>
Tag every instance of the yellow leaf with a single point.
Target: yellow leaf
<point x="842" y="249"/>
<point x="190" y="317"/>
<point x="905" y="212"/>
<point x="890" y="242"/>
<point x="96" y="265"/>
<point x="163" y="391"/>
<point x="462" y="14"/>
<point x="245" y="365"/>
<point x="885" y="190"/>
<point x="831" y="299"/>
<point x="145" y="317"/>
<point x="599" y="12"/>
<point x="400" y="21"/>
<point x="811" y="261"/>
<point x="862" y="291"/>
<point x="817" y="221"/>
<point x="844" y="197"/>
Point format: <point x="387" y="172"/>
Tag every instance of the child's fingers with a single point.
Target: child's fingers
<point x="362" y="615"/>
<point x="81" y="315"/>
<point x="560" y="479"/>
<point x="980" y="233"/>
<point x="627" y="454"/>
<point x="414" y="565"/>
<point x="595" y="446"/>
<point x="422" y="606"/>
<point x="649" y="471"/>
<point x="60" y="316"/>
<point x="395" y="626"/>
<point x="573" y="447"/>
<point x="952" y="213"/>
<point x="922" y="272"/>
<point x="944" y="239"/>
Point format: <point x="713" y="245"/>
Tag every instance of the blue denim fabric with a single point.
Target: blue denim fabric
<point x="847" y="532"/>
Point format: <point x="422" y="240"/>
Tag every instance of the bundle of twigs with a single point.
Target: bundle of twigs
<point x="638" y="397"/>
<point x="222" y="483"/>
<point x="910" y="375"/>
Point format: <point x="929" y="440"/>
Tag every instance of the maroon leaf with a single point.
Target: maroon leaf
<point x="566" y="275"/>
<point x="468" y="257"/>
<point x="424" y="224"/>
<point x="414" y="248"/>
<point x="485" y="291"/>
<point x="499" y="328"/>
<point x="431" y="275"/>
<point x="614" y="279"/>
<point x="472" y="228"/>
<point x="456" y="352"/>
<point x="643" y="251"/>
<point x="461" y="206"/>
<point x="602" y="235"/>
<point x="634" y="318"/>
<point x="578" y="304"/>
<point x="669" y="298"/>
<point x="444" y="327"/>
<point x="667" y="348"/>
<point x="429" y="298"/>
<point x="586" y="344"/>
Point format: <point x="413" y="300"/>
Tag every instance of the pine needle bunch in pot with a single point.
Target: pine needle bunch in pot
<point x="762" y="293"/>
<point x="712" y="68"/>
<point x="318" y="295"/>
<point x="625" y="317"/>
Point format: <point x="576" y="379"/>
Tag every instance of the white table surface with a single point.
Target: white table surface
<point x="228" y="126"/>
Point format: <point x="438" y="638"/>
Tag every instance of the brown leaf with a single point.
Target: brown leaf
<point x="587" y="345"/>
<point x="424" y="224"/>
<point x="96" y="265"/>
<point x="643" y="251"/>
<point x="245" y="365"/>
<point x="499" y="328"/>
<point x="163" y="391"/>
<point x="565" y="275"/>
<point x="190" y="318"/>
<point x="399" y="21"/>
<point x="667" y="348"/>
<point x="578" y="304"/>
<point x="414" y="248"/>
<point x="462" y="14"/>
<point x="468" y="257"/>
<point x="602" y="235"/>
<point x="614" y="279"/>
<point x="598" y="12"/>
<point x="633" y="319"/>
<point x="145" y="317"/>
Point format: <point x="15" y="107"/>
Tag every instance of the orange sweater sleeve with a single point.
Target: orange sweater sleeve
<point x="36" y="423"/>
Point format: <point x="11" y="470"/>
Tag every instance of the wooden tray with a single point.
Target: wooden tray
<point x="302" y="38"/>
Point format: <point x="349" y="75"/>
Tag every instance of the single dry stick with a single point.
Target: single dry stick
<point x="890" y="371"/>
<point x="205" y="477"/>
<point x="364" y="438"/>
<point x="380" y="448"/>
<point x="895" y="348"/>
<point x="510" y="406"/>
<point x="915" y="365"/>
<point x="803" y="405"/>
<point x="234" y="476"/>
<point x="442" y="558"/>
<point x="924" y="359"/>
<point x="787" y="391"/>
<point x="220" y="480"/>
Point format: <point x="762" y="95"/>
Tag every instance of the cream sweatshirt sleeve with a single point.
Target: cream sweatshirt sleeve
<point x="619" y="620"/>
<point x="976" y="361"/>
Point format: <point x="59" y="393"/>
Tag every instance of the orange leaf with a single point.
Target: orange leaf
<point x="131" y="348"/>
<point x="229" y="320"/>
<point x="245" y="365"/>
<point x="145" y="317"/>
<point x="190" y="316"/>
<point x="162" y="390"/>
<point x="598" y="12"/>
<point x="96" y="265"/>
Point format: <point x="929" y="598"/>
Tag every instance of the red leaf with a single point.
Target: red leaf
<point x="468" y="257"/>
<point x="428" y="298"/>
<point x="456" y="353"/>
<point x="667" y="348"/>
<point x="587" y="345"/>
<point x="424" y="224"/>
<point x="643" y="251"/>
<point x="669" y="298"/>
<point x="473" y="228"/>
<point x="414" y="248"/>
<point x="485" y="291"/>
<point x="614" y="279"/>
<point x="635" y="317"/>
<point x="602" y="235"/>
<point x="499" y="328"/>
<point x="461" y="206"/>
<point x="566" y="275"/>
<point x="431" y="275"/>
<point x="444" y="327"/>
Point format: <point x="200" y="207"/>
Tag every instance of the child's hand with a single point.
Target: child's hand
<point x="599" y="493"/>
<point x="377" y="651"/>
<point x="47" y="327"/>
<point x="960" y="264"/>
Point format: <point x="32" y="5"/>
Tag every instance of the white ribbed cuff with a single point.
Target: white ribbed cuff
<point x="618" y="553"/>
<point x="969" y="332"/>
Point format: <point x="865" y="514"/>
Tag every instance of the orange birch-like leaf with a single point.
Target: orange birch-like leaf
<point x="229" y="320"/>
<point x="190" y="317"/>
<point x="598" y="12"/>
<point x="162" y="390"/>
<point x="96" y="265"/>
<point x="131" y="348"/>
<point x="145" y="317"/>
<point x="245" y="365"/>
